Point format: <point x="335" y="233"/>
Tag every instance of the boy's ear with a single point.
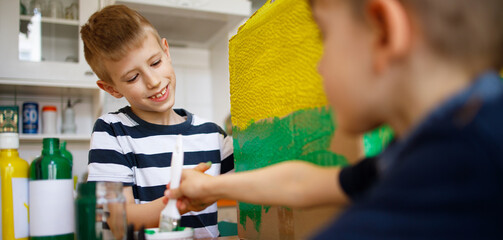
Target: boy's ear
<point x="165" y="47"/>
<point x="393" y="31"/>
<point x="109" y="88"/>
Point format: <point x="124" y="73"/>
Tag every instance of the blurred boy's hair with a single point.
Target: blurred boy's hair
<point x="111" y="33"/>
<point x="466" y="32"/>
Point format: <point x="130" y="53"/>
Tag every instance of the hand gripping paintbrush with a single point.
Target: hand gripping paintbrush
<point x="170" y="216"/>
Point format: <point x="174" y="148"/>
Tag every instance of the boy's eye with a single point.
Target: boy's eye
<point x="133" y="78"/>
<point x="156" y="62"/>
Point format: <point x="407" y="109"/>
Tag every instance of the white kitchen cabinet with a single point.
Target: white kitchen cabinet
<point x="44" y="50"/>
<point x="192" y="23"/>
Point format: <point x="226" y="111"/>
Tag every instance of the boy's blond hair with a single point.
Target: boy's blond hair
<point x="465" y="32"/>
<point x="111" y="33"/>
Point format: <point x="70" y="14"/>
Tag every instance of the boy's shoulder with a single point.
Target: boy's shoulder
<point x="120" y="116"/>
<point x="200" y="123"/>
<point x="472" y="119"/>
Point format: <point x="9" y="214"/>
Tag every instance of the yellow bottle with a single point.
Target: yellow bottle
<point x="14" y="188"/>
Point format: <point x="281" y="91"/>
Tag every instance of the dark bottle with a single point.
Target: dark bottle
<point x="51" y="195"/>
<point x="85" y="212"/>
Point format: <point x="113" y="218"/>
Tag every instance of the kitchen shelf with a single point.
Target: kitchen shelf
<point x="52" y="20"/>
<point x="63" y="137"/>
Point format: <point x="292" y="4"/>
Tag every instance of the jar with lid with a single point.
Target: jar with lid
<point x="49" y="118"/>
<point x="111" y="210"/>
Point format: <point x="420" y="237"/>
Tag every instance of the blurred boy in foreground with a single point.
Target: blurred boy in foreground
<point x="428" y="68"/>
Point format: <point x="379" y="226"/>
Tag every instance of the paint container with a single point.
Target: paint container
<point x="154" y="234"/>
<point x="51" y="195"/>
<point x="85" y="212"/>
<point x="14" y="189"/>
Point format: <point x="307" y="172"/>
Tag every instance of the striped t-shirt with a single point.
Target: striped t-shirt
<point x="127" y="149"/>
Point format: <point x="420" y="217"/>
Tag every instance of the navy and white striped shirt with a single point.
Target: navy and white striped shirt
<point x="127" y="149"/>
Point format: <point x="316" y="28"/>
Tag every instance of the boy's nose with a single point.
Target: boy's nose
<point x="151" y="81"/>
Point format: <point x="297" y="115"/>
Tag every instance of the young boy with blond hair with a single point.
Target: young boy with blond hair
<point x="134" y="145"/>
<point x="428" y="68"/>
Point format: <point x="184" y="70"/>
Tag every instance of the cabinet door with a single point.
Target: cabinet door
<point x="43" y="46"/>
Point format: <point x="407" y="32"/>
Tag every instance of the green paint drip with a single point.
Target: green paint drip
<point x="302" y="135"/>
<point x="252" y="212"/>
<point x="375" y="141"/>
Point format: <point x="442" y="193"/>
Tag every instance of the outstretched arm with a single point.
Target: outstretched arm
<point x="292" y="183"/>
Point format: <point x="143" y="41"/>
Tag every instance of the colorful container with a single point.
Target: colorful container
<point x="14" y="184"/>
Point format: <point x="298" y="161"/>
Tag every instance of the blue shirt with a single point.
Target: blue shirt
<point x="442" y="181"/>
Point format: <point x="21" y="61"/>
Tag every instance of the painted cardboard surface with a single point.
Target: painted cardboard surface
<point x="279" y="112"/>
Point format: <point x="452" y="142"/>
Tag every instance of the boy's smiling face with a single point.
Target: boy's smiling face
<point x="346" y="65"/>
<point x="145" y="77"/>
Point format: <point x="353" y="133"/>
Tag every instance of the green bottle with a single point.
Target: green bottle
<point x="85" y="212"/>
<point x="51" y="195"/>
<point x="65" y="153"/>
<point x="68" y="155"/>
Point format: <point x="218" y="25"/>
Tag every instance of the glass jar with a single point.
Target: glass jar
<point x="111" y="210"/>
<point x="55" y="9"/>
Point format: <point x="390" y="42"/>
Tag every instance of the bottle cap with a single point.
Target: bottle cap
<point x="49" y="108"/>
<point x="9" y="141"/>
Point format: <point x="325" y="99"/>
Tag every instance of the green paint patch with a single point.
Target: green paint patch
<point x="302" y="135"/>
<point x="376" y="141"/>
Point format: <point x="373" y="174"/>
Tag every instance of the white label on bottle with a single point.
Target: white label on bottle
<point x="20" y="206"/>
<point x="51" y="207"/>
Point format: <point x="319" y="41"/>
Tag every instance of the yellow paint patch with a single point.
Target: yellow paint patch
<point x="273" y="61"/>
<point x="27" y="210"/>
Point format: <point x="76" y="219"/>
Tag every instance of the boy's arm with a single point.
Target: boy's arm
<point x="146" y="215"/>
<point x="292" y="183"/>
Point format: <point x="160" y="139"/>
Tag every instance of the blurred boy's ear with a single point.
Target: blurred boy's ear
<point x="109" y="88"/>
<point x="393" y="31"/>
<point x="165" y="47"/>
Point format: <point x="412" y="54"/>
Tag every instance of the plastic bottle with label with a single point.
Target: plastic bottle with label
<point x="14" y="184"/>
<point x="51" y="195"/>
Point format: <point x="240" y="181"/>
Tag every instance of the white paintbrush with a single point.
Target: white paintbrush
<point x="170" y="216"/>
